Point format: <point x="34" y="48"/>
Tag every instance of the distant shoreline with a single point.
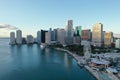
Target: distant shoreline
<point x="4" y="38"/>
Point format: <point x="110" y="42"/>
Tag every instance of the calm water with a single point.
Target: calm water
<point x="30" y="62"/>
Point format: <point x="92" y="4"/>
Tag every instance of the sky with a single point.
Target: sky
<point x="33" y="15"/>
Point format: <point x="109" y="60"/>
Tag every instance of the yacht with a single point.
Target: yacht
<point x="43" y="45"/>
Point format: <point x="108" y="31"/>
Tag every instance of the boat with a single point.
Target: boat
<point x="43" y="45"/>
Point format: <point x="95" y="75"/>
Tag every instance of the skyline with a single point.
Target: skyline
<point x="31" y="16"/>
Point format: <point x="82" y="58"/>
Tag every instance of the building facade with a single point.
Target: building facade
<point x="86" y="35"/>
<point x="61" y="36"/>
<point x="43" y="36"/>
<point x="48" y="37"/>
<point x="12" y="38"/>
<point x="53" y="35"/>
<point x="19" y="37"/>
<point x="76" y="40"/>
<point x="78" y="30"/>
<point x="117" y="43"/>
<point x="108" y="36"/>
<point x="30" y="39"/>
<point x="69" y="32"/>
<point x="97" y="32"/>
<point x="39" y="37"/>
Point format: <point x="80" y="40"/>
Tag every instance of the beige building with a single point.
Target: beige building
<point x="48" y="37"/>
<point x="97" y="32"/>
<point x="108" y="36"/>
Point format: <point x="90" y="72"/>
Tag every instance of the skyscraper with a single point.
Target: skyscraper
<point x="12" y="38"/>
<point x="19" y="37"/>
<point x="69" y="32"/>
<point x="86" y="35"/>
<point x="108" y="36"/>
<point x="76" y="40"/>
<point x="55" y="30"/>
<point x="43" y="36"/>
<point x="61" y="36"/>
<point x="38" y="37"/>
<point x="48" y="37"/>
<point x="78" y="30"/>
<point x="97" y="32"/>
<point x="53" y="35"/>
<point x="30" y="39"/>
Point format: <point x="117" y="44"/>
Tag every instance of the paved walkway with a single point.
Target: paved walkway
<point x="99" y="75"/>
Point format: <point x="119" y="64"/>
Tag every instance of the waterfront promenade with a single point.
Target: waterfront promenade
<point x="79" y="59"/>
<point x="97" y="74"/>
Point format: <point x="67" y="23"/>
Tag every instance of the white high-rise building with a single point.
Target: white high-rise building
<point x="38" y="37"/>
<point x="61" y="36"/>
<point x="19" y="37"/>
<point x="30" y="39"/>
<point x="69" y="32"/>
<point x="48" y="37"/>
<point x="97" y="34"/>
<point x="12" y="38"/>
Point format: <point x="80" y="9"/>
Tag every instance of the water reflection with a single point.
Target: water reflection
<point x="30" y="62"/>
<point x="67" y="61"/>
<point x="16" y="56"/>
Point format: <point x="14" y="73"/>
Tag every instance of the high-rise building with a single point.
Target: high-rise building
<point x="97" y="32"/>
<point x="76" y="40"/>
<point x="55" y="30"/>
<point x="38" y="37"/>
<point x="78" y="30"/>
<point x="61" y="36"/>
<point x="103" y="33"/>
<point x="86" y="35"/>
<point x="43" y="36"/>
<point x="108" y="36"/>
<point x="115" y="37"/>
<point x="12" y="38"/>
<point x="69" y="32"/>
<point x="53" y="35"/>
<point x="117" y="43"/>
<point x="24" y="40"/>
<point x="30" y="39"/>
<point x="48" y="37"/>
<point x="19" y="37"/>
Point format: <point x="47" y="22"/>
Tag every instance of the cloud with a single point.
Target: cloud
<point x="7" y="26"/>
